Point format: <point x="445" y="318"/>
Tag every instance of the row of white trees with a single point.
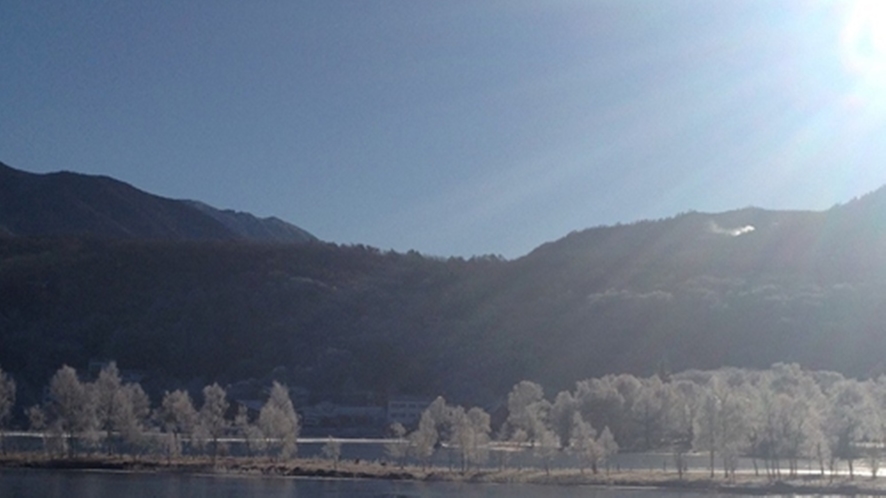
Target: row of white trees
<point x="118" y="417"/>
<point x="440" y="423"/>
<point x="528" y="427"/>
<point x="778" y="418"/>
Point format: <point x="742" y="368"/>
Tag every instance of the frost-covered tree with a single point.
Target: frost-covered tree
<point x="423" y="440"/>
<point x="561" y="416"/>
<point x="251" y="434"/>
<point x="37" y="422"/>
<point x="131" y="418"/>
<point x="583" y="443"/>
<point x="545" y="446"/>
<point x="7" y="401"/>
<point x="279" y="422"/>
<point x="442" y="415"/>
<point x="517" y="441"/>
<point x="212" y="415"/>
<point x="470" y="433"/>
<point x="601" y="403"/>
<point x="480" y="423"/>
<point x="109" y="401"/>
<point x="681" y="421"/>
<point x="849" y="421"/>
<point x="650" y="413"/>
<point x="721" y="426"/>
<point x="527" y="408"/>
<point x="610" y="448"/>
<point x="71" y="406"/>
<point x="397" y="447"/>
<point x="177" y="417"/>
<point x="707" y="434"/>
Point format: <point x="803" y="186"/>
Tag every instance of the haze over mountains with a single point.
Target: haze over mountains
<point x="183" y="292"/>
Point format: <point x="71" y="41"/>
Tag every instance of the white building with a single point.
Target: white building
<point x="406" y="410"/>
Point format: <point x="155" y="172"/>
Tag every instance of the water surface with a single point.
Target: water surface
<point x="88" y="484"/>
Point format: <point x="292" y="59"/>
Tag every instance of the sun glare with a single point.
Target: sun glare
<point x="864" y="45"/>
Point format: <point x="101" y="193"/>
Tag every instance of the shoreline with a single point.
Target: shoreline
<point x="693" y="481"/>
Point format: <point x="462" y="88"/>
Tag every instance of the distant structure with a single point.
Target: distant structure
<point x="406" y="410"/>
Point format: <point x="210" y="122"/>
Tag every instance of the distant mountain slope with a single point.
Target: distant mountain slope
<point x="67" y="203"/>
<point x="744" y="288"/>
<point x="251" y="227"/>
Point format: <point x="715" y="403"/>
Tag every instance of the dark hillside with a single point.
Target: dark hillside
<point x="75" y="204"/>
<point x="744" y="288"/>
<point x="226" y="311"/>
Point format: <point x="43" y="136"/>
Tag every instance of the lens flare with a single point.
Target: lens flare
<point x="864" y="47"/>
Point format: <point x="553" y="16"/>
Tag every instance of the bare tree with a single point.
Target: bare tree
<point x="332" y="450"/>
<point x="279" y="422"/>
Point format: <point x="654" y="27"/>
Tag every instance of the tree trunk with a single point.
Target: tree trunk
<point x="712" y="463"/>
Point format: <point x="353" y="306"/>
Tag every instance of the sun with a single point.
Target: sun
<point x="864" y="43"/>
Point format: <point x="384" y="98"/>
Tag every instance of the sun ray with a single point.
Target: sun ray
<point x="864" y="49"/>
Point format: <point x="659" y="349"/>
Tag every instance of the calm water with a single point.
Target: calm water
<point x="82" y="484"/>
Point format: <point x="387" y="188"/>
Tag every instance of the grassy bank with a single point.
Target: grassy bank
<point x="692" y="481"/>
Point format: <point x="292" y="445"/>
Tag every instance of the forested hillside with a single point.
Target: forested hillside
<point x="747" y="288"/>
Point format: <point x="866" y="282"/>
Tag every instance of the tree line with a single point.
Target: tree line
<point x="116" y="417"/>
<point x="778" y="418"/>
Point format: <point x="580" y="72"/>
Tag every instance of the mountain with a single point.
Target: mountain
<point x="743" y="288"/>
<point x="75" y="204"/>
<point x="249" y="227"/>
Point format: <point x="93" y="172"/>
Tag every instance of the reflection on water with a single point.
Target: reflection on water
<point x="85" y="484"/>
<point x="374" y="450"/>
<point x="78" y="484"/>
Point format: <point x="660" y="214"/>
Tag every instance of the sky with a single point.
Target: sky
<point x="454" y="128"/>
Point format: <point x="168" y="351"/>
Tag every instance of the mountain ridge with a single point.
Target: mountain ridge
<point x="67" y="203"/>
<point x="745" y="288"/>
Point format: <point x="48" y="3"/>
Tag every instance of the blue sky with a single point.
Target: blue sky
<point x="452" y="127"/>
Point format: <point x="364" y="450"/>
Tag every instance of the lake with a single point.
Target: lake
<point x="15" y="483"/>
